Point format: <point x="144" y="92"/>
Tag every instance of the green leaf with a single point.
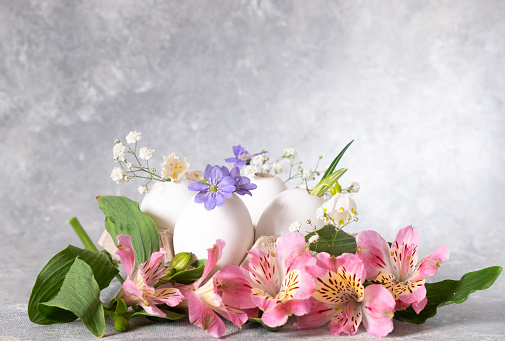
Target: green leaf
<point x="51" y="278"/>
<point x="450" y="291"/>
<point x="123" y="216"/>
<point x="333" y="241"/>
<point x="188" y="276"/>
<point x="79" y="294"/>
<point x="329" y="182"/>
<point x="335" y="161"/>
<point x="170" y="315"/>
<point x="270" y="329"/>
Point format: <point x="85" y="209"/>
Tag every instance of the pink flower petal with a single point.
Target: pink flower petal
<point x="404" y="253"/>
<point x="151" y="309"/>
<point x="153" y="269"/>
<point x="378" y="310"/>
<point x="126" y="253"/>
<point x="292" y="253"/>
<point x="347" y="320"/>
<point x="264" y="271"/>
<point x="169" y="296"/>
<point x="320" y="314"/>
<point x="262" y="299"/>
<point x="131" y="294"/>
<point x="214" y="254"/>
<point x="429" y="265"/>
<point x="279" y="313"/>
<point x="298" y="285"/>
<point x="201" y="316"/>
<point x="419" y="306"/>
<point x="236" y="285"/>
<point x="410" y="292"/>
<point x="374" y="251"/>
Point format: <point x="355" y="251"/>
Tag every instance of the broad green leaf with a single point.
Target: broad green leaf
<point x="333" y="241"/>
<point x="335" y="161"/>
<point x="79" y="294"/>
<point x="270" y="329"/>
<point x="51" y="278"/>
<point x="123" y="216"/>
<point x="450" y="291"/>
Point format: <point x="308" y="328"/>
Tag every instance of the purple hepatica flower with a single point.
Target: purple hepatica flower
<point x="218" y="187"/>
<point x="242" y="156"/>
<point x="242" y="183"/>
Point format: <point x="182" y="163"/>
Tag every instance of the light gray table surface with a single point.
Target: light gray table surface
<point x="419" y="86"/>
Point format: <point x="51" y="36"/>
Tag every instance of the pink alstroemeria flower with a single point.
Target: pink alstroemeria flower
<point x="137" y="289"/>
<point x="204" y="300"/>
<point x="277" y="283"/>
<point x="341" y="298"/>
<point x="396" y="267"/>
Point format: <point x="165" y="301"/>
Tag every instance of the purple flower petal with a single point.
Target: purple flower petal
<point x="210" y="203"/>
<point x="198" y="186"/>
<point x="219" y="199"/>
<point x="201" y="197"/>
<point x="206" y="172"/>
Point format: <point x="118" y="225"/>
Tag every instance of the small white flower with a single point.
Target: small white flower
<point x="118" y="152"/>
<point x="341" y="208"/>
<point x="142" y="189"/>
<point x="354" y="188"/>
<point x="133" y="137"/>
<point x="250" y="170"/>
<point x="295" y="226"/>
<point x="277" y="167"/>
<point x="314" y="238"/>
<point x="307" y="174"/>
<point x="173" y="167"/>
<point x="129" y="165"/>
<point x="119" y="175"/>
<point x="194" y="175"/>
<point x="265" y="167"/>
<point x="146" y="153"/>
<point x="320" y="213"/>
<point x="289" y="153"/>
<point x="258" y="159"/>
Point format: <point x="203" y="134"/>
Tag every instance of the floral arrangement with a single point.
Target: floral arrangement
<point x="263" y="253"/>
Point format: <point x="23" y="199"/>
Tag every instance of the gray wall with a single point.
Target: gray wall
<point x="419" y="85"/>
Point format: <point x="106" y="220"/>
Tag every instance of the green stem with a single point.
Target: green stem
<point x="83" y="236"/>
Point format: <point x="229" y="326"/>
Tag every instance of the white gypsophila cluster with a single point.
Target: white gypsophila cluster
<point x="259" y="159"/>
<point x="146" y="153"/>
<point x="295" y="226"/>
<point x="354" y="187"/>
<point x="129" y="165"/>
<point x="289" y="153"/>
<point x="265" y="168"/>
<point x="276" y="167"/>
<point x="340" y="209"/>
<point x="118" y="152"/>
<point x="133" y="137"/>
<point x="313" y="238"/>
<point x="119" y="175"/>
<point x="320" y="213"/>
<point x="307" y="174"/>
<point x="142" y="189"/>
<point x="250" y="170"/>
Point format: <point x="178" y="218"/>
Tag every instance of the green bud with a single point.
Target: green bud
<point x="181" y="261"/>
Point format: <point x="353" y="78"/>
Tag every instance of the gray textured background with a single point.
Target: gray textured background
<point x="419" y="85"/>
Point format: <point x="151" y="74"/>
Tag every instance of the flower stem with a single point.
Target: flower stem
<point x="83" y="236"/>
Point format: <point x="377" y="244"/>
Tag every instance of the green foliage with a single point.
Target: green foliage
<point x="79" y="294"/>
<point x="187" y="276"/>
<point x="450" y="291"/>
<point x="52" y="276"/>
<point x="333" y="241"/>
<point x="123" y="216"/>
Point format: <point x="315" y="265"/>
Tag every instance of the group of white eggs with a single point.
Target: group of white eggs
<point x="270" y="210"/>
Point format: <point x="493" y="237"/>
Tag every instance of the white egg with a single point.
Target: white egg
<point x="197" y="230"/>
<point x="165" y="201"/>
<point x="287" y="207"/>
<point x="268" y="188"/>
